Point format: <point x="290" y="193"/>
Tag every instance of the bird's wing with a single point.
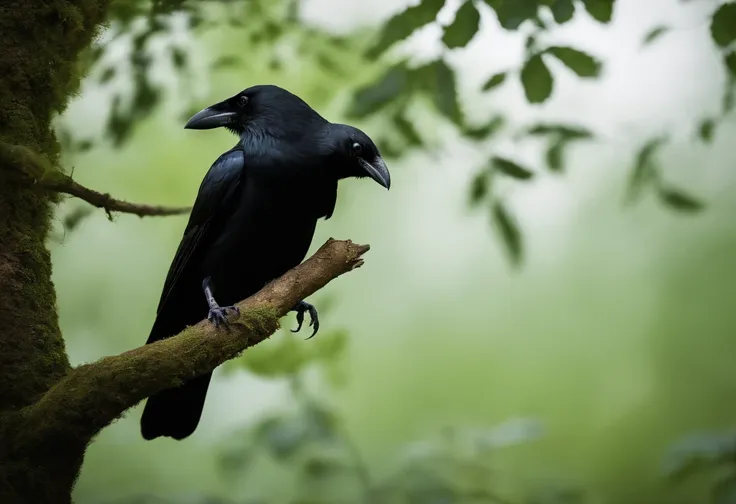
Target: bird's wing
<point x="218" y="195"/>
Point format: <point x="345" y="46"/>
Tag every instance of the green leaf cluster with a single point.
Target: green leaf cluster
<point x="391" y="92"/>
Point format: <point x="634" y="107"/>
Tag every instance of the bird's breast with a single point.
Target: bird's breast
<point x="269" y="232"/>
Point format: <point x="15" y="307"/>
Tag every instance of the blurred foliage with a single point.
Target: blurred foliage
<point x="320" y="463"/>
<point x="395" y="85"/>
<point x="71" y="220"/>
<point x="288" y="356"/>
<point x="711" y="454"/>
<point x="647" y="174"/>
<point x="309" y="441"/>
<point x="180" y="499"/>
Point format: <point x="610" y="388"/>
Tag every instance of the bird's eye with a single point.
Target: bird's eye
<point x="357" y="148"/>
<point x="243" y="101"/>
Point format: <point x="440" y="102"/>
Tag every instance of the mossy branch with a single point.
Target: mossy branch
<point x="38" y="170"/>
<point x="93" y="395"/>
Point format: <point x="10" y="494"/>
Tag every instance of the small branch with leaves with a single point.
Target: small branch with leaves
<point x="38" y="170"/>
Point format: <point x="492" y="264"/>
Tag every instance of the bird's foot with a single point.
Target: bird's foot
<point x="218" y="314"/>
<point x="301" y="308"/>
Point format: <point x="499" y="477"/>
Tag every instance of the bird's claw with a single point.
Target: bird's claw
<point x="302" y="308"/>
<point x="218" y="315"/>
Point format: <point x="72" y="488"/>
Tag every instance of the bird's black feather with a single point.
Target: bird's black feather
<point x="253" y="220"/>
<point x="218" y="193"/>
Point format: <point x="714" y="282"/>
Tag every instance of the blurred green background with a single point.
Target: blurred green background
<point x="616" y="333"/>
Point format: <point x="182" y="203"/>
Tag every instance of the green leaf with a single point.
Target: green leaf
<point x="554" y="155"/>
<point x="723" y="24"/>
<point x="729" y="60"/>
<point x="479" y="187"/>
<point x="600" y="10"/>
<point x="326" y="62"/>
<point x="536" y="79"/>
<point x="107" y="75"/>
<point x="679" y="200"/>
<point x="511" y="14"/>
<point x="706" y="130"/>
<point x="464" y="27"/>
<point x="404" y="24"/>
<point x="654" y="34"/>
<point x="83" y="145"/>
<point x="407" y="129"/>
<point x="494" y="80"/>
<point x="645" y="170"/>
<point x="483" y="132"/>
<point x="568" y="132"/>
<point x="560" y="135"/>
<point x="271" y="31"/>
<point x="72" y="220"/>
<point x="179" y="58"/>
<point x="562" y="11"/>
<point x="378" y="94"/>
<point x="511" y="168"/>
<point x="444" y="93"/>
<point x="724" y="491"/>
<point x="506" y="226"/>
<point x="583" y="64"/>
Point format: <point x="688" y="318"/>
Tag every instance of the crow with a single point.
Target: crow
<point x="253" y="220"/>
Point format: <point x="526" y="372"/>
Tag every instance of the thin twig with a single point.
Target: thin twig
<point x="69" y="186"/>
<point x="36" y="169"/>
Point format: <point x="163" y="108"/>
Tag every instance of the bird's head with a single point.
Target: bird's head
<point x="278" y="113"/>
<point x="357" y="156"/>
<point x="265" y="107"/>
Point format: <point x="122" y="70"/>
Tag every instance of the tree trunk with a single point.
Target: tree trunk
<point x="40" y="46"/>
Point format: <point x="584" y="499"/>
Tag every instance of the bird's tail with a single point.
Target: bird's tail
<point x="175" y="412"/>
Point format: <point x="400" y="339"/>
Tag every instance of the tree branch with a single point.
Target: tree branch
<point x="93" y="395"/>
<point x="37" y="169"/>
<point x="67" y="185"/>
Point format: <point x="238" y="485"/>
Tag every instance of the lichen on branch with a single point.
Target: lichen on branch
<point x="36" y="169"/>
<point x="92" y="396"/>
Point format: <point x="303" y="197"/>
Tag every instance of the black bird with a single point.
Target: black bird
<point x="253" y="220"/>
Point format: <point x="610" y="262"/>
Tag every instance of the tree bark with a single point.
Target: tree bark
<point x="49" y="412"/>
<point x="41" y="43"/>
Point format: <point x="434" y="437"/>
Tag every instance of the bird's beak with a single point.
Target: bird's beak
<point x="377" y="170"/>
<point x="214" y="116"/>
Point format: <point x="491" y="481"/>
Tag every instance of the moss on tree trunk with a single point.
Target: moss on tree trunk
<point x="41" y="43"/>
